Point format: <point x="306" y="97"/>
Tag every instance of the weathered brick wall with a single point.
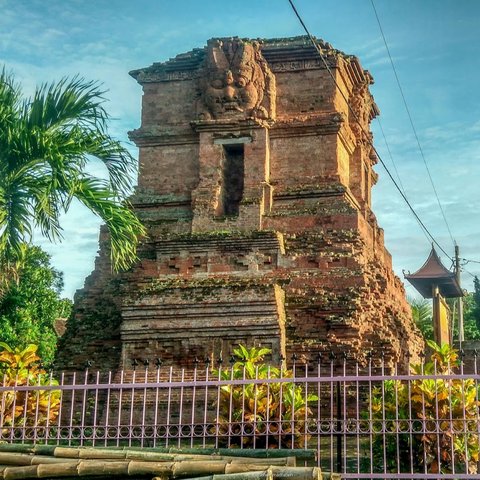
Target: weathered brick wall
<point x="301" y="265"/>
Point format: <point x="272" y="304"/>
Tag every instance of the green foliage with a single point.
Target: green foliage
<point x="452" y="404"/>
<point x="46" y="143"/>
<point x="29" y="307"/>
<point x="422" y="316"/>
<point x="256" y="405"/>
<point x="19" y="367"/>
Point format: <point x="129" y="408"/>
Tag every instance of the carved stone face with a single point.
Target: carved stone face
<point x="236" y="79"/>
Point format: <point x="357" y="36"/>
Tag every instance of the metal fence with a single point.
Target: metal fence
<point x="362" y="420"/>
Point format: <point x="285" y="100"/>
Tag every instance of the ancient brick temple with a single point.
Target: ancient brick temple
<point x="254" y="184"/>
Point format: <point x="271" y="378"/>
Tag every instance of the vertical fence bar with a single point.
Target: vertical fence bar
<point x="205" y="406"/>
<point x="107" y="410"/>
<point x="477" y="399"/>
<point x="194" y="391"/>
<point x="383" y="430"/>
<point x="120" y="406"/>
<point x="230" y="402"/>
<point x="144" y="405"/>
<point x="60" y="408"/>
<point x="319" y="409"/>
<point x="255" y="397"/>
<point x="95" y="408"/>
<point x="464" y="414"/>
<point x="242" y="428"/>
<point x="291" y="395"/>
<point x="84" y="402"/>
<point x="217" y="404"/>
<point x="280" y="412"/>
<point x="357" y="414"/>
<point x="410" y="421"/>
<point x="49" y="400"/>
<point x="370" y="411"/>
<point x="72" y="407"/>
<point x="132" y="406"/>
<point x="158" y="364"/>
<point x="267" y="412"/>
<point x="169" y="405"/>
<point x="180" y="412"/>
<point x="332" y="403"/>
<point x="25" y="411"/>
<point x="397" y="422"/>
<point x="306" y="408"/>
<point x="344" y="413"/>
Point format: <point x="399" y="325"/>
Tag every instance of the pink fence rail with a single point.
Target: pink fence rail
<point x="363" y="421"/>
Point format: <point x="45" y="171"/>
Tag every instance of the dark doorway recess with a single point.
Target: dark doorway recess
<point x="232" y="179"/>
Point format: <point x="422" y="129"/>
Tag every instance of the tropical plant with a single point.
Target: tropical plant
<point x="30" y="306"/>
<point x="20" y="367"/>
<point x="46" y="143"/>
<point x="422" y="316"/>
<point x="268" y="414"/>
<point x="443" y="413"/>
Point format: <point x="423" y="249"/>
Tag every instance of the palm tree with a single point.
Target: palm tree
<point x="46" y="142"/>
<point x="422" y="316"/>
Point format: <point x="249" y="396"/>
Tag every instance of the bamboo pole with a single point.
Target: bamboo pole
<point x="162" y="469"/>
<point x="98" y="467"/>
<point x="12" y="458"/>
<point x="53" y="470"/>
<point x="296" y="473"/>
<point x="18" y="473"/>
<point x="190" y="469"/>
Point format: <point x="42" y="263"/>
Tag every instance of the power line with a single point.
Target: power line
<point x="411" y="122"/>
<point x="390" y="154"/>
<point x="318" y="49"/>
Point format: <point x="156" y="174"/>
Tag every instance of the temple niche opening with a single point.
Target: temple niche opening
<point x="255" y="186"/>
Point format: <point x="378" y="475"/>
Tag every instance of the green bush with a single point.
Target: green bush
<point x="19" y="367"/>
<point x="444" y="414"/>
<point x="273" y="413"/>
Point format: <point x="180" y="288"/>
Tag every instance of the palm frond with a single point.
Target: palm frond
<point x="45" y="145"/>
<point x="124" y="227"/>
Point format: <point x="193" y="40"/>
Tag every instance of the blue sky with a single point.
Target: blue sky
<point x="434" y="44"/>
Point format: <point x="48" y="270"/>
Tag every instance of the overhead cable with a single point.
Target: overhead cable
<point x="411" y="123"/>
<point x="318" y="49"/>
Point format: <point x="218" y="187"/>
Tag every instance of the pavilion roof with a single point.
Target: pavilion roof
<point x="434" y="274"/>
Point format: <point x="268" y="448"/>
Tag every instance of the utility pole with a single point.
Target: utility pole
<point x="461" y="336"/>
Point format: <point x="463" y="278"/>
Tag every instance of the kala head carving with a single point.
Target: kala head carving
<point x="236" y="82"/>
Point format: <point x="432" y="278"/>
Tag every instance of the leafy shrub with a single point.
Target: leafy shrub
<point x="21" y="408"/>
<point x="444" y="416"/>
<point x="274" y="414"/>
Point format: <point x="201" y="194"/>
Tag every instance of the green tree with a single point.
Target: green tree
<point x="29" y="307"/>
<point x="422" y="316"/>
<point x="476" y="302"/>
<point x="46" y="142"/>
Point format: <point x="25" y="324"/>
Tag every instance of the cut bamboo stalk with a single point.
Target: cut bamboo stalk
<point x="12" y="458"/>
<point x="93" y="453"/>
<point x="16" y="447"/>
<point x="44" y="450"/>
<point x="264" y="475"/>
<point x="262" y="461"/>
<point x="53" y="470"/>
<point x="16" y="473"/>
<point x="245" y="467"/>
<point x="331" y="476"/>
<point x="99" y="467"/>
<point x="44" y="459"/>
<point x="296" y="473"/>
<point x="189" y="469"/>
<point x="150" y="468"/>
<point x="300" y="454"/>
<point x="67" y="452"/>
<point x="150" y="456"/>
